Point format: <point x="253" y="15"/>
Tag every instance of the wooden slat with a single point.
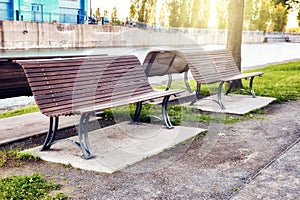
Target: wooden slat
<point x="60" y="85"/>
<point x="13" y="81"/>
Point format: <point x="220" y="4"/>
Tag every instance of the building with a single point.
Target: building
<point x="61" y="11"/>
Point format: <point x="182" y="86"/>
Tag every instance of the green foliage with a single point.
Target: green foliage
<point x="19" y="111"/>
<point x="298" y="18"/>
<point x="143" y="10"/>
<point x="280" y="81"/>
<point x="27" y="156"/>
<point x="174" y="10"/>
<point x="28" y="187"/>
<point x="16" y="157"/>
<point x="261" y="20"/>
<point x="259" y="13"/>
<point x="200" y="13"/>
<point x="222" y="13"/>
<point x="279" y="18"/>
<point x="289" y="3"/>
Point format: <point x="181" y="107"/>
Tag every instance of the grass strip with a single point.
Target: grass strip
<point x="19" y="111"/>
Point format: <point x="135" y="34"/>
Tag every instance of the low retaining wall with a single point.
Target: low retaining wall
<point x="32" y="35"/>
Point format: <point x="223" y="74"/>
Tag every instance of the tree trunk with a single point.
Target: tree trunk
<point x="235" y="30"/>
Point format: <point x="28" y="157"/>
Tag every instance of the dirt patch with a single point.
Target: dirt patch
<point x="210" y="167"/>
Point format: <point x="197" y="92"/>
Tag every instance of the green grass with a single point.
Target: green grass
<point x="16" y="157"/>
<point x="28" y="187"/>
<point x="25" y="187"/>
<point x="179" y="114"/>
<point x="281" y="81"/>
<point x="19" y="111"/>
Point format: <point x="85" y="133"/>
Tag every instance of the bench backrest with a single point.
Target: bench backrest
<point x="224" y="62"/>
<point x="61" y="86"/>
<point x="13" y="81"/>
<point x="160" y="63"/>
<point x="201" y="65"/>
<point x="210" y="66"/>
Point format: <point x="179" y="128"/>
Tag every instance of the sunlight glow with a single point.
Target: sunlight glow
<point x="212" y="22"/>
<point x="292" y="20"/>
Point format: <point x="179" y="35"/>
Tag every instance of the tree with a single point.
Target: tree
<point x="234" y="36"/>
<point x="162" y="20"/>
<point x="262" y="20"/>
<point x="98" y="15"/>
<point x="222" y="13"/>
<point x="174" y="10"/>
<point x="279" y="18"/>
<point x="298" y="18"/>
<point x="132" y="11"/>
<point x="105" y="13"/>
<point x="289" y="3"/>
<point x="195" y="14"/>
<point x="200" y="13"/>
<point x="114" y="17"/>
<point x="142" y="10"/>
<point x="184" y="13"/>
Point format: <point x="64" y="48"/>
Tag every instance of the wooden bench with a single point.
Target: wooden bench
<point x="276" y="38"/>
<point x="215" y="66"/>
<point x="82" y="86"/>
<point x="13" y="81"/>
<point x="161" y="63"/>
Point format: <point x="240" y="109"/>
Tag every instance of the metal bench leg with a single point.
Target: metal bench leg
<point x="165" y="114"/>
<point x="137" y="112"/>
<point x="229" y="89"/>
<point x="169" y="82"/>
<point x="83" y="136"/>
<point x="51" y="134"/>
<point x="251" y="87"/>
<point x="219" y="100"/>
<point x="197" y="95"/>
<point x="186" y="82"/>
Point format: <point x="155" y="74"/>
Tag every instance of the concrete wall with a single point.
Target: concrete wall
<point x="32" y="35"/>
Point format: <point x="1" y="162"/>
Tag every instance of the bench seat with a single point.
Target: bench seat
<point x="206" y="67"/>
<point x="215" y="66"/>
<point x="241" y="76"/>
<point x="85" y="85"/>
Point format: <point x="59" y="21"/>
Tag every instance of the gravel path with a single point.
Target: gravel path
<point x="219" y="165"/>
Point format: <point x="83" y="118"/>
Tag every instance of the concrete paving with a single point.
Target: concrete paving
<point x="234" y="104"/>
<point x="118" y="146"/>
<point x="28" y="125"/>
<point x="122" y="144"/>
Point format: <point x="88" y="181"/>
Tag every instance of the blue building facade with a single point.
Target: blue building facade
<point x="61" y="11"/>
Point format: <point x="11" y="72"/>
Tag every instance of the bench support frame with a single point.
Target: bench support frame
<point x="83" y="129"/>
<point x="251" y="90"/>
<point x="219" y="94"/>
<point x="52" y="131"/>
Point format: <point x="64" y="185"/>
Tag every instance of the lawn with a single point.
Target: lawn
<point x="281" y="81"/>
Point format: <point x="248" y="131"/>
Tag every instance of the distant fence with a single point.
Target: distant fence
<point x="27" y="35"/>
<point x="205" y="36"/>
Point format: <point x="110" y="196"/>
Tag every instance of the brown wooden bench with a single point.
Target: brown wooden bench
<point x="161" y="63"/>
<point x="215" y="66"/>
<point x="13" y="81"/>
<point x="82" y="86"/>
